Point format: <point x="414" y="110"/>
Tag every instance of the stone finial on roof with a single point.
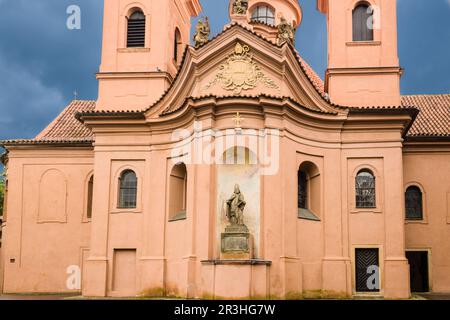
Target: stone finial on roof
<point x="203" y="30"/>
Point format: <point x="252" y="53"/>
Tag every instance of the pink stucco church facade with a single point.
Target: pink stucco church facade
<point x="225" y="167"/>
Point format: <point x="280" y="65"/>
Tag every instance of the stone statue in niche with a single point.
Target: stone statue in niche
<point x="202" y="31"/>
<point x="236" y="240"/>
<point x="235" y="207"/>
<point x="240" y="7"/>
<point x="286" y="32"/>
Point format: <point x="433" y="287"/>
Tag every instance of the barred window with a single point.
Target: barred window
<point x="365" y="189"/>
<point x="90" y="192"/>
<point x="302" y="190"/>
<point x="136" y="30"/>
<point x="264" y="14"/>
<point x="127" y="190"/>
<point x="414" y="203"/>
<point x="362" y="20"/>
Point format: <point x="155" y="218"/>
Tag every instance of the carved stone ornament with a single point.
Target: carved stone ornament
<point x="202" y="31"/>
<point x="236" y="239"/>
<point x="240" y="72"/>
<point x="286" y="32"/>
<point x="235" y="207"/>
<point x="240" y="7"/>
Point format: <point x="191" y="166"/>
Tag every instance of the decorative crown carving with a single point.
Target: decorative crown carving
<point x="241" y="72"/>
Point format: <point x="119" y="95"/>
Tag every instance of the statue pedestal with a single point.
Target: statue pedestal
<point x="237" y="243"/>
<point x="241" y="19"/>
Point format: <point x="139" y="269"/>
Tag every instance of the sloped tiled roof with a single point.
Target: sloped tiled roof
<point x="66" y="125"/>
<point x="434" y="116"/>
<point x="433" y="121"/>
<point x="312" y="75"/>
<point x="65" y="128"/>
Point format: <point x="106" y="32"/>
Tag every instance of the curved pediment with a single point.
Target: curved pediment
<point x="239" y="62"/>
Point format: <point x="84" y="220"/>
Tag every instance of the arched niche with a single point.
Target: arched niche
<point x="52" y="197"/>
<point x="309" y="191"/>
<point x="178" y="192"/>
<point x="239" y="165"/>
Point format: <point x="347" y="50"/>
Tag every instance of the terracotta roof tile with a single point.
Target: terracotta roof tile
<point x="64" y="129"/>
<point x="433" y="120"/>
<point x="434" y="116"/>
<point x="66" y="125"/>
<point x="312" y="75"/>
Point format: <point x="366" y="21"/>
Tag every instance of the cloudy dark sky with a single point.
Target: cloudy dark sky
<point x="42" y="62"/>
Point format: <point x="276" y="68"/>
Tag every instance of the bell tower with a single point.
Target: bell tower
<point x="363" y="65"/>
<point x="263" y="17"/>
<point x="143" y="44"/>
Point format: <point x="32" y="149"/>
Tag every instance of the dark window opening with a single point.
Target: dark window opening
<point x="90" y="193"/>
<point x="414" y="203"/>
<point x="302" y="190"/>
<point x="136" y="30"/>
<point x="363" y="23"/>
<point x="365" y="190"/>
<point x="127" y="190"/>
<point x="264" y="14"/>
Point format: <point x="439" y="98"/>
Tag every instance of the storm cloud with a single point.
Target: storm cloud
<point x="42" y="62"/>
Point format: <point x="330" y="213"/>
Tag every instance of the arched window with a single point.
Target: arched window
<point x="90" y="192"/>
<point x="127" y="190"/>
<point x="178" y="192"/>
<point x="309" y="192"/>
<point x="264" y="14"/>
<point x="362" y="23"/>
<point x="177" y="45"/>
<point x="414" y="203"/>
<point x="365" y="189"/>
<point x="136" y="30"/>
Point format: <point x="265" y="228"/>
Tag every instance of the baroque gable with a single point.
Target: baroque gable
<point x="240" y="63"/>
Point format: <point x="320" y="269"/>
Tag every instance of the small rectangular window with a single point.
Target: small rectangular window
<point x="302" y="190"/>
<point x="90" y="192"/>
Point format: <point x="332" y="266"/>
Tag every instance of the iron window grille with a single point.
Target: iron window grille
<point x="365" y="190"/>
<point x="366" y="260"/>
<point x="414" y="203"/>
